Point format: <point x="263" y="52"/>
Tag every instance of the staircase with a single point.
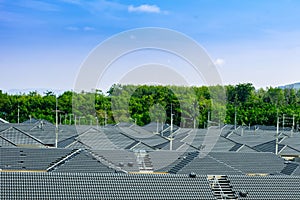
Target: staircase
<point x="221" y="187"/>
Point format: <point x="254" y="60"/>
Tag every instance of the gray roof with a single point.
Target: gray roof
<point x="103" y="186"/>
<point x="267" y="187"/>
<point x="30" y="159"/>
<point x="83" y="162"/>
<point x="228" y="163"/>
<point x="20" y="137"/>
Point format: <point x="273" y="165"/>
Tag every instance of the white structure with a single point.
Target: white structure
<point x="3" y="121"/>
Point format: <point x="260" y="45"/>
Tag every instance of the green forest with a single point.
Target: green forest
<point x="144" y="104"/>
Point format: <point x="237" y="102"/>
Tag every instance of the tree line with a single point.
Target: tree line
<point x="190" y="106"/>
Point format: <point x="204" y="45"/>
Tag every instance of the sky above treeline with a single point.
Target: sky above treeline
<point x="44" y="43"/>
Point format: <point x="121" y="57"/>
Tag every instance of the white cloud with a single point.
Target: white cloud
<point x="219" y="62"/>
<point x="144" y="8"/>
<point x="88" y="28"/>
<point x="78" y="2"/>
<point x="72" y="28"/>
<point x="39" y="5"/>
<point x="76" y="28"/>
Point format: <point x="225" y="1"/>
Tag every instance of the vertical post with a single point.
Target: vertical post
<point x="105" y="118"/>
<point x="171" y="129"/>
<point x="157" y="126"/>
<point x="235" y="118"/>
<point x="283" y="117"/>
<point x="75" y="119"/>
<point x="293" y="128"/>
<point x="208" y="118"/>
<point x="97" y="121"/>
<point x="56" y="124"/>
<point x="293" y="121"/>
<point x="18" y="114"/>
<point x="277" y="133"/>
<point x="242" y="134"/>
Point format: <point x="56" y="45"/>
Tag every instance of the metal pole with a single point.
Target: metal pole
<point x="56" y="124"/>
<point x="18" y="114"/>
<point x="283" y="117"/>
<point x="242" y="134"/>
<point x="293" y="128"/>
<point x="105" y="118"/>
<point x="293" y="121"/>
<point x="171" y="129"/>
<point x="277" y="133"/>
<point x="97" y="122"/>
<point x="235" y="118"/>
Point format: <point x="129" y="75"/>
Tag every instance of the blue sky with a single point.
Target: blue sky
<point x="43" y="43"/>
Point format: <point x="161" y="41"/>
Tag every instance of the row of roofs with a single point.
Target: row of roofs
<point x="37" y="185"/>
<point x="132" y="137"/>
<point x="126" y="161"/>
<point x="160" y="161"/>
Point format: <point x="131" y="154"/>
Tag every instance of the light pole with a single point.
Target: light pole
<point x="283" y="118"/>
<point x="171" y="129"/>
<point x="208" y="118"/>
<point x="105" y="118"/>
<point x="96" y="121"/>
<point x="277" y="133"/>
<point x="56" y="123"/>
<point x="18" y="114"/>
<point x="235" y="118"/>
